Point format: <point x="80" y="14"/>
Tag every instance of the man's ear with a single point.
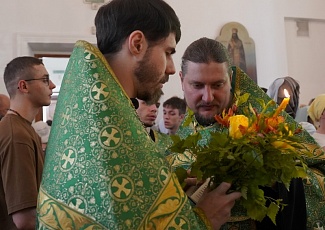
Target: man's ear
<point x="182" y="78"/>
<point x="181" y="75"/>
<point x="182" y="116"/>
<point x="137" y="42"/>
<point x="22" y="86"/>
<point x="230" y="78"/>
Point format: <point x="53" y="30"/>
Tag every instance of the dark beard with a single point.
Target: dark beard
<point x="150" y="98"/>
<point x="145" y="72"/>
<point x="203" y="120"/>
<point x="154" y="98"/>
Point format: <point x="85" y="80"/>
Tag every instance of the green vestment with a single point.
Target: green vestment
<point x="102" y="170"/>
<point x="163" y="141"/>
<point x="313" y="186"/>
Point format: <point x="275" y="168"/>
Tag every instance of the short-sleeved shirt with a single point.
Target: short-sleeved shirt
<point x="21" y="166"/>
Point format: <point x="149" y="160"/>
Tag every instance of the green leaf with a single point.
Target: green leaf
<point x="242" y="99"/>
<point x="181" y="174"/>
<point x="255" y="210"/>
<point x="243" y="191"/>
<point x="272" y="211"/>
<point x="250" y="162"/>
<point x="189" y="118"/>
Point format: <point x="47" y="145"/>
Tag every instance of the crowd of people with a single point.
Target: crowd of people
<point x="106" y="165"/>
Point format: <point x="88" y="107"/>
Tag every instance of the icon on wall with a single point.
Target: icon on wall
<point x="241" y="47"/>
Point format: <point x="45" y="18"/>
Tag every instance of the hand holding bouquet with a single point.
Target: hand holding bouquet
<point x="249" y="150"/>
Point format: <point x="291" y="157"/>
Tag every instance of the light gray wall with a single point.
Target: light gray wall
<point x="278" y="51"/>
<point x="306" y="58"/>
<point x="46" y="21"/>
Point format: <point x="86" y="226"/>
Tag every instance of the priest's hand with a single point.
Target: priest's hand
<point x="217" y="204"/>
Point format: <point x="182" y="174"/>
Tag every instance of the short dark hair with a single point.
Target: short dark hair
<point x="116" y="20"/>
<point x="176" y="103"/>
<point x="18" y="69"/>
<point x="205" y="50"/>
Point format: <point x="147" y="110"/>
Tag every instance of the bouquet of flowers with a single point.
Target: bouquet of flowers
<point x="249" y="150"/>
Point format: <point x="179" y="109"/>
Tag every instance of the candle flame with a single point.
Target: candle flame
<point x="286" y="93"/>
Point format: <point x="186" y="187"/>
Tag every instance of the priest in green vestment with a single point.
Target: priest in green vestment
<point x="209" y="82"/>
<point x="102" y="170"/>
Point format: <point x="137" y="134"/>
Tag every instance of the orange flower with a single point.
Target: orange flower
<point x="224" y="118"/>
<point x="254" y="127"/>
<point x="272" y="123"/>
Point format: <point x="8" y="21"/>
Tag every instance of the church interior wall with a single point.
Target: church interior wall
<point x="271" y="24"/>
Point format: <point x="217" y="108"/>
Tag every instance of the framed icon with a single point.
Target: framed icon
<point x="234" y="36"/>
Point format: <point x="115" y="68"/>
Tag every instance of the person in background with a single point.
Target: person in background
<point x="304" y="120"/>
<point x="316" y="111"/>
<point x="148" y="114"/>
<point x="161" y="126"/>
<point x="174" y="110"/>
<point x="209" y="82"/>
<point x="43" y="131"/>
<point x="276" y="92"/>
<point x="102" y="171"/>
<point x="4" y="105"/>
<point x="21" y="156"/>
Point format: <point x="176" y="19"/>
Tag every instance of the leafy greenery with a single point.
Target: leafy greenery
<point x="251" y="150"/>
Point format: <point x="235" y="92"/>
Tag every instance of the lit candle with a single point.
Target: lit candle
<point x="283" y="104"/>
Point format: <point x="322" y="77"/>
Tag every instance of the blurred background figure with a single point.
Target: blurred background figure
<point x="148" y="113"/>
<point x="43" y="130"/>
<point x="4" y="105"/>
<point x="174" y="111"/>
<point x="304" y="120"/>
<point x="316" y="111"/>
<point x="161" y="126"/>
<point x="276" y="92"/>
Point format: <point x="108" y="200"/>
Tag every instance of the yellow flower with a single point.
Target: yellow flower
<point x="253" y="142"/>
<point x="290" y="132"/>
<point x="282" y="145"/>
<point x="238" y="125"/>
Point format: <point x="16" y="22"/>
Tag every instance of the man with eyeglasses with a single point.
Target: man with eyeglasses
<point x="21" y="155"/>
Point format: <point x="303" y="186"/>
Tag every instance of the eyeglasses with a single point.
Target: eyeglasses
<point x="46" y="80"/>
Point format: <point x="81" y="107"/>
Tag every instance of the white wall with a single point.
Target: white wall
<point x="306" y="58"/>
<point x="68" y="21"/>
<point x="263" y="19"/>
<point x="41" y="21"/>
